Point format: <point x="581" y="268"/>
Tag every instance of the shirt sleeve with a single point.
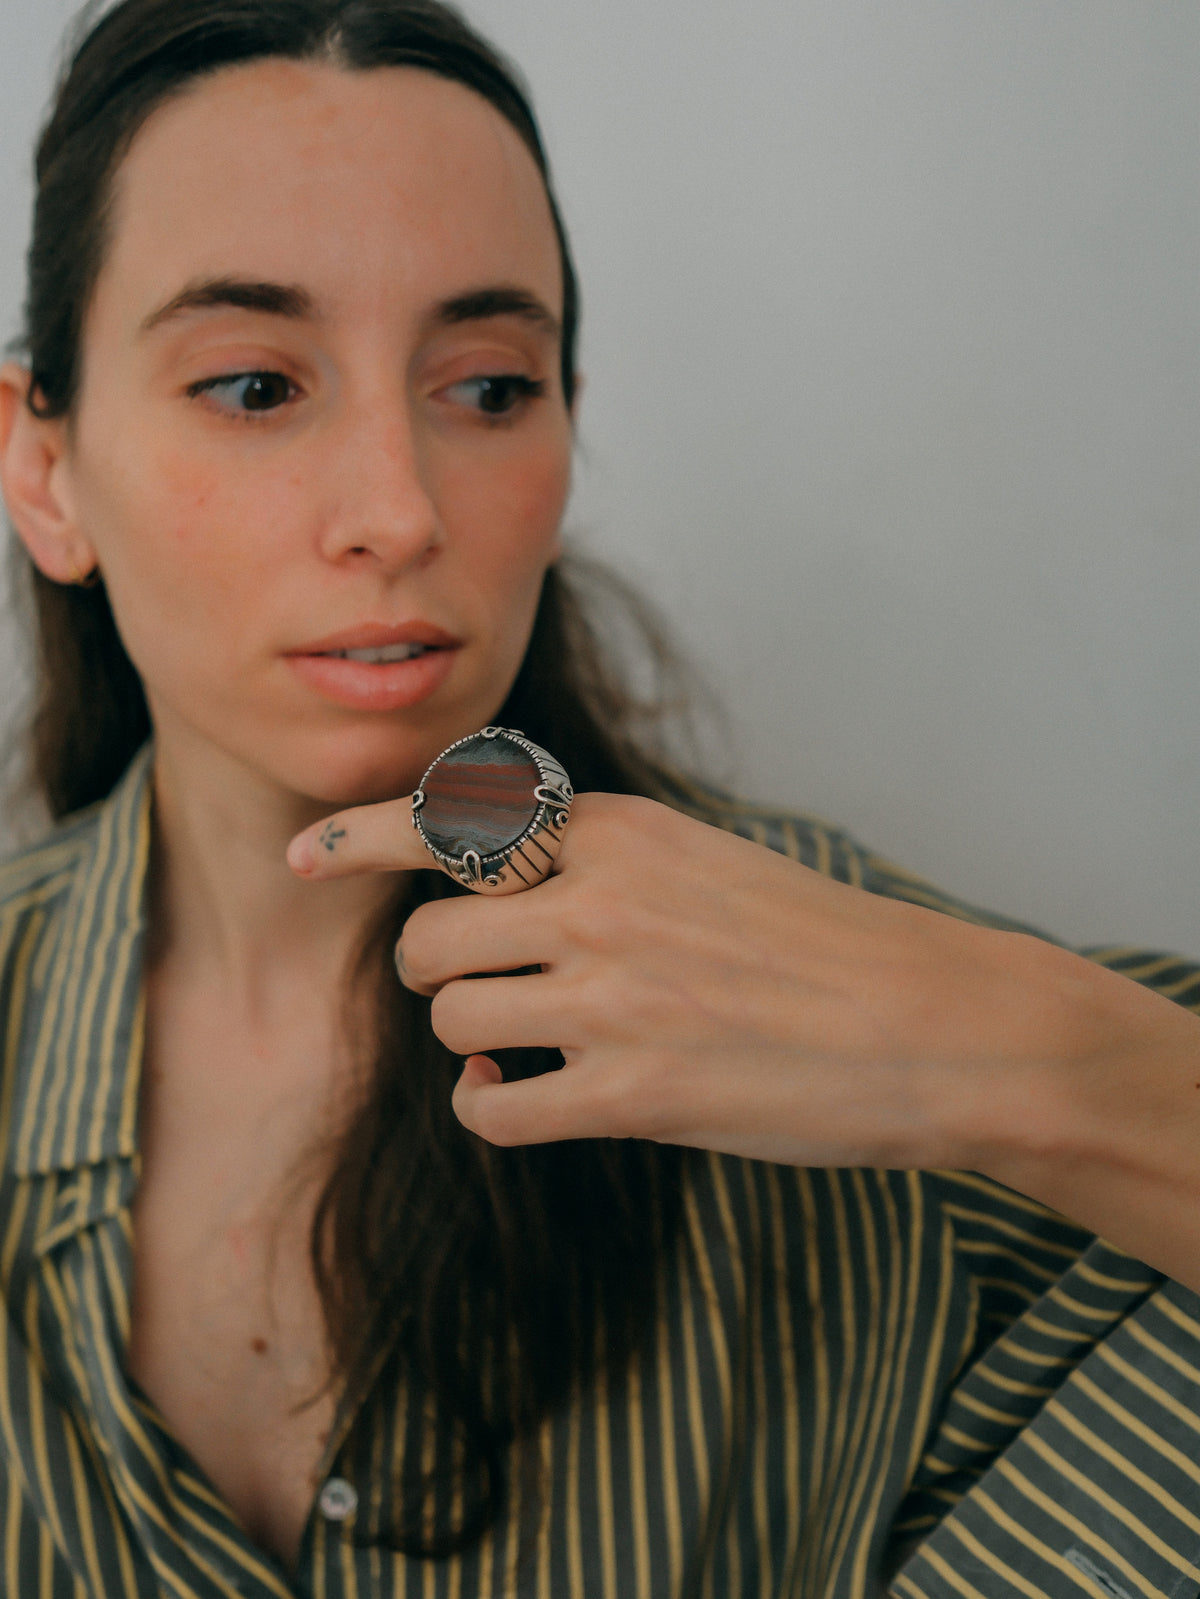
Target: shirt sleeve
<point x="1066" y="1461"/>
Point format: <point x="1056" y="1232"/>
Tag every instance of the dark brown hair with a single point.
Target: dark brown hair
<point x="553" y="1242"/>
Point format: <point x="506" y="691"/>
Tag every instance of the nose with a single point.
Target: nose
<point x="380" y="507"/>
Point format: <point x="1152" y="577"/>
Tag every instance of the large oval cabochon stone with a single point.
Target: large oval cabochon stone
<point x="480" y="796"/>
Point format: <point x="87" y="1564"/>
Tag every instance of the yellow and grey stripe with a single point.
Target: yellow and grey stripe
<point x="842" y="1362"/>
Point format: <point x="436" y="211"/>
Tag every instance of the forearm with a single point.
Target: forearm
<point x="1106" y="1129"/>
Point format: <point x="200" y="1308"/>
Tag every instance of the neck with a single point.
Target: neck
<point x="226" y="905"/>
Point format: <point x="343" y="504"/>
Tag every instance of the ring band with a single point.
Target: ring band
<point x="491" y="811"/>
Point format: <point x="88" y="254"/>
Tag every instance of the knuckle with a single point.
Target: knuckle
<point x="648" y="1092"/>
<point x="491" y="1121"/>
<point x="409" y="971"/>
<point x="408" y="961"/>
<point x="623" y="1105"/>
<point x="603" y="820"/>
<point x="587" y="1007"/>
<point x="598" y="919"/>
<point x="450" y="1021"/>
<point x="611" y="914"/>
<point x="416" y="945"/>
<point x="489" y="1113"/>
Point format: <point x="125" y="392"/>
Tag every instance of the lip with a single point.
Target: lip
<point x="378" y="636"/>
<point x="387" y="686"/>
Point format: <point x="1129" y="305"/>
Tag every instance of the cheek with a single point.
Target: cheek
<point x="216" y="532"/>
<point x="151" y="509"/>
<point x="182" y="572"/>
<point x="189" y="490"/>
<point x="534" y="496"/>
<point x="195" y="533"/>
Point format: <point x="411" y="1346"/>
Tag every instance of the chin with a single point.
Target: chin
<point x="354" y="768"/>
<point x="341" y="784"/>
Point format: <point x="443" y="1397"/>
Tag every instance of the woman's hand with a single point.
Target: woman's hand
<point x="706" y="991"/>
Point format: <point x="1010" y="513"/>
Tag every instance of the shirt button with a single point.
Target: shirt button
<point x="338" y="1501"/>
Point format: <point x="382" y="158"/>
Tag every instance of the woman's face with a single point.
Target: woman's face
<point x="321" y="412"/>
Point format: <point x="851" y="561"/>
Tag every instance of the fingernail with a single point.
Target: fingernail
<point x="301" y="856"/>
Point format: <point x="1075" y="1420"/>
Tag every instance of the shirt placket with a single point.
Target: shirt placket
<point x="179" y="1525"/>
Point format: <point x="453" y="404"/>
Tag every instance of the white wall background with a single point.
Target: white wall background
<point x="891" y="338"/>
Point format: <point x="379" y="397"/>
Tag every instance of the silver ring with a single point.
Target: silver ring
<point x="491" y="811"/>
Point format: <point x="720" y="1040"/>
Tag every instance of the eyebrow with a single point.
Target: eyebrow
<point x="275" y="299"/>
<point x="502" y="300"/>
<point x="296" y="304"/>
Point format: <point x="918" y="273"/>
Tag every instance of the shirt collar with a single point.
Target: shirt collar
<point x="78" y="1064"/>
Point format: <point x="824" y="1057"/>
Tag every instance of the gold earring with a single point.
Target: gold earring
<point x="84" y="580"/>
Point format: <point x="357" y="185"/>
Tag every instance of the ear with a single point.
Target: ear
<point x="35" y="479"/>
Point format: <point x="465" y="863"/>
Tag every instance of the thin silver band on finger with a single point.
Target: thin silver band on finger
<point x="491" y="811"/>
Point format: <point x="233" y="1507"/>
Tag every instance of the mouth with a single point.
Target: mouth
<point x="385" y="656"/>
<point x="380" y="643"/>
<point x="377" y="667"/>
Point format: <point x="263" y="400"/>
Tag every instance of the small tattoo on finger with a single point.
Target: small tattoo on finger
<point x="330" y="836"/>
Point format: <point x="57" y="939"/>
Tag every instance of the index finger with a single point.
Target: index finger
<point x="366" y="838"/>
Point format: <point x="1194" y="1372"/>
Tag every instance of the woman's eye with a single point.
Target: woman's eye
<point x="497" y="395"/>
<point x="244" y="392"/>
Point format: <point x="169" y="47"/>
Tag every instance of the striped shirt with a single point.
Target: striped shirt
<point x="849" y="1372"/>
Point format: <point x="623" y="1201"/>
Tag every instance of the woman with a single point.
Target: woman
<point x="289" y="456"/>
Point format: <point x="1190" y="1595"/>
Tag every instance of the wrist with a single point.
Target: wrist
<point x="1101" y="1119"/>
